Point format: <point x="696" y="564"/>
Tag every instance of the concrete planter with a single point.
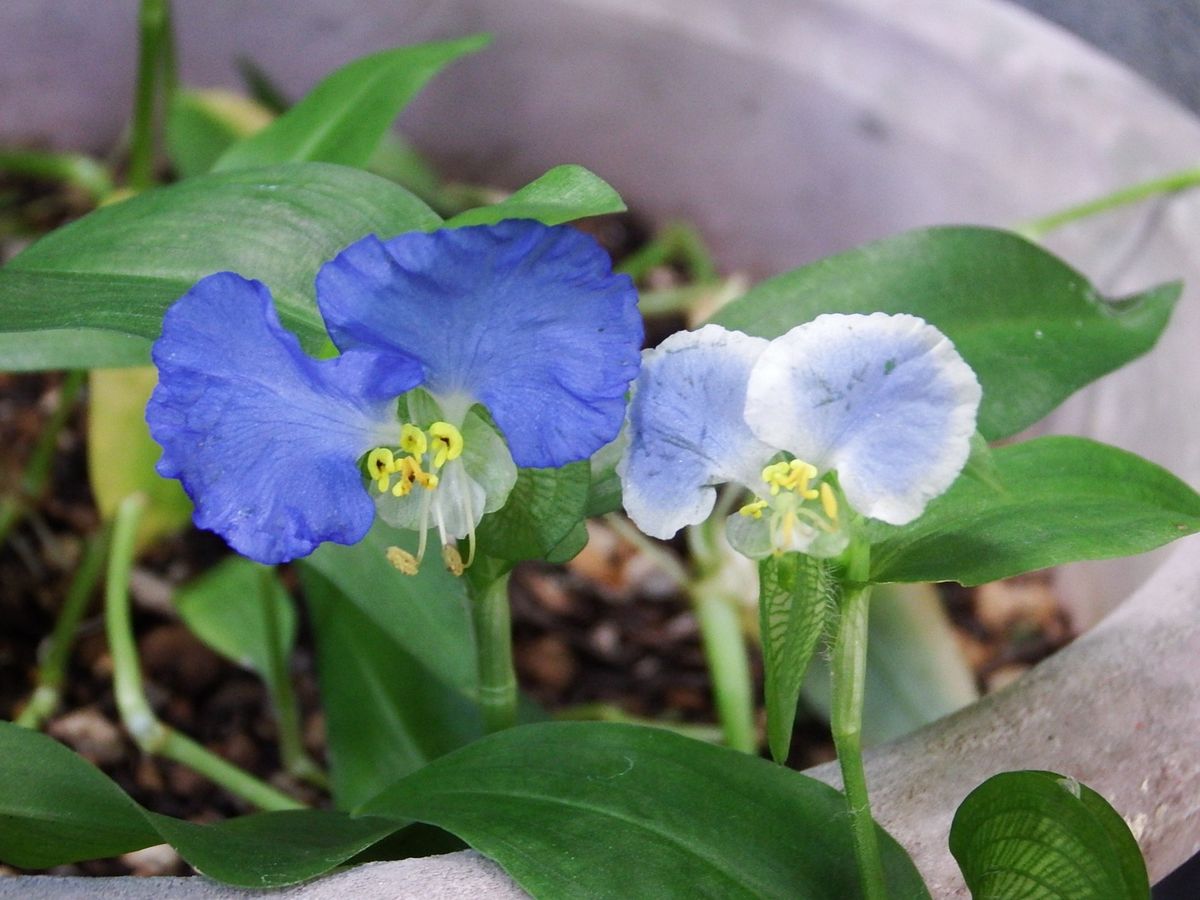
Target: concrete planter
<point x="787" y="131"/>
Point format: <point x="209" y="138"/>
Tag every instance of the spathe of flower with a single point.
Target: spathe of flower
<point x="464" y="354"/>
<point x="867" y="414"/>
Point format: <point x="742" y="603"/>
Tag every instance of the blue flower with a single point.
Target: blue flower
<point x="464" y="354"/>
<point x="872" y="412"/>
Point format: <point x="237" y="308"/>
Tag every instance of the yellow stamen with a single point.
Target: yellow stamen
<point x="453" y="559"/>
<point x="753" y="510"/>
<point x="447" y="443"/>
<point x="402" y="560"/>
<point x="412" y="440"/>
<point x="380" y="465"/>
<point x="829" y="502"/>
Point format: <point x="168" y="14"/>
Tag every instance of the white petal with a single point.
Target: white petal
<point x="687" y="430"/>
<point x="884" y="400"/>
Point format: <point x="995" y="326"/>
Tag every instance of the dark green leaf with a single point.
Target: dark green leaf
<point x="566" y="807"/>
<point x="272" y="849"/>
<point x="1041" y="836"/>
<point x="109" y="277"/>
<point x="604" y="493"/>
<point x="1065" y="499"/>
<point x="1031" y="327"/>
<point x="794" y="593"/>
<point x="56" y="808"/>
<point x="544" y="508"/>
<point x="201" y="125"/>
<point x="563" y="194"/>
<point x="343" y="118"/>
<point x="387" y="714"/>
<point x="226" y="608"/>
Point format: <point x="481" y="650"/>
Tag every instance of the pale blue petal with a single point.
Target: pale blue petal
<point x="886" y="401"/>
<point x="687" y="430"/>
<point x="265" y="439"/>
<point x="528" y="320"/>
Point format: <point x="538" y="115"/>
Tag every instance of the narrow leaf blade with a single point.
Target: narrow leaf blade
<point x="563" y="194"/>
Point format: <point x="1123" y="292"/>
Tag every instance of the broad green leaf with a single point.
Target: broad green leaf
<point x="916" y="672"/>
<point x="1064" y="499"/>
<point x="342" y="119"/>
<point x="425" y="614"/>
<point x="1041" y="836"/>
<point x="570" y="546"/>
<point x="56" y="808"/>
<point x="794" y="594"/>
<point x="566" y="807"/>
<point x="1033" y="329"/>
<point x="110" y="276"/>
<point x="122" y="455"/>
<point x="201" y="125"/>
<point x="242" y="611"/>
<point x="544" y="508"/>
<point x="563" y="194"/>
<point x="387" y="713"/>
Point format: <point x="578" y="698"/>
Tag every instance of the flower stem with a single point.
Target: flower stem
<point x="53" y="669"/>
<point x="156" y="57"/>
<point x="149" y="733"/>
<point x="728" y="662"/>
<point x="37" y="471"/>
<point x="492" y="619"/>
<point x="849" y="669"/>
<point x="1169" y="184"/>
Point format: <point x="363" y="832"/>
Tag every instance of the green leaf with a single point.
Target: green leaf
<point x="563" y="194"/>
<point x="1065" y="499"/>
<point x="104" y="282"/>
<point x="793" y="604"/>
<point x="544" y="508"/>
<point x="916" y="672"/>
<point x="387" y="713"/>
<point x="1041" y="836"/>
<point x="1033" y="329"/>
<point x="226" y="607"/>
<point x="122" y="455"/>
<point x="604" y="493"/>
<point x="56" y="808"/>
<point x="565" y="807"/>
<point x="342" y="119"/>
<point x="201" y="125"/>
<point x="272" y="849"/>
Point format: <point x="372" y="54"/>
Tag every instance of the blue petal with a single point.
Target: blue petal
<point x="265" y="439"/>
<point x="528" y="320"/>
<point x="886" y="401"/>
<point x="687" y="429"/>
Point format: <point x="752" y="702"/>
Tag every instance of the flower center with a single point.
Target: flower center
<point x="441" y="443"/>
<point x="794" y="503"/>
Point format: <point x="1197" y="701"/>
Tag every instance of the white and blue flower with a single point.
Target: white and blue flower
<point x="464" y="354"/>
<point x="871" y="412"/>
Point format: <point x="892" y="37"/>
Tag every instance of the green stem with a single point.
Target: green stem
<point x="149" y="733"/>
<point x="678" y="242"/>
<point x="154" y="55"/>
<point x="1169" y="184"/>
<point x="728" y="662"/>
<point x="37" y="470"/>
<point x="492" y="619"/>
<point x="650" y="548"/>
<point x="848" y="670"/>
<point x="53" y="669"/>
<point x="283" y="698"/>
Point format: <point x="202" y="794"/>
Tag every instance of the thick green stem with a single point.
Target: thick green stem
<point x="149" y="733"/>
<point x="53" y="669"/>
<point x="155" y="60"/>
<point x="728" y="662"/>
<point x="848" y="670"/>
<point x="1169" y="184"/>
<point x="493" y="646"/>
<point x="37" y="471"/>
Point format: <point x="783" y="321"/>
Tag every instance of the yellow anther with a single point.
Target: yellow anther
<point x="412" y="440"/>
<point x="447" y="443"/>
<point x="402" y="560"/>
<point x="753" y="510"/>
<point x="829" y="502"/>
<point x="380" y="465"/>
<point x="453" y="559"/>
<point x="425" y="479"/>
